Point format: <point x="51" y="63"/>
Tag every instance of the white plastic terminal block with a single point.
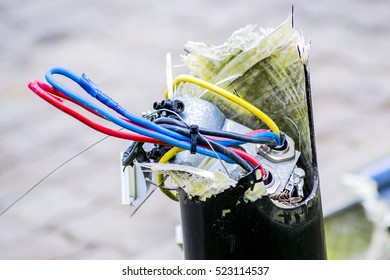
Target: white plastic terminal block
<point x="127" y="184"/>
<point x="135" y="189"/>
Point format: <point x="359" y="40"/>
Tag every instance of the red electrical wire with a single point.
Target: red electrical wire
<point x="250" y="159"/>
<point x="56" y="98"/>
<point x="51" y="95"/>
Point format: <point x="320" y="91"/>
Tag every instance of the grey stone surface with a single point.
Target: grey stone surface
<point x="76" y="212"/>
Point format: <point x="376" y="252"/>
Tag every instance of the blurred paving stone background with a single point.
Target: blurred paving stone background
<point x="76" y="212"/>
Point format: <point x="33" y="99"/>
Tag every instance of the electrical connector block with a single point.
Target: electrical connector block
<point x="135" y="187"/>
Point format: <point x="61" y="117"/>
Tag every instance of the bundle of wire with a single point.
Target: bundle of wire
<point x="163" y="131"/>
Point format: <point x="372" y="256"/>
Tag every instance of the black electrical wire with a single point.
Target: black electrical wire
<point x="221" y="133"/>
<point x="173" y="121"/>
<point x="216" y="146"/>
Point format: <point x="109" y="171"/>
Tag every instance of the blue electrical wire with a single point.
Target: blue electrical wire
<point x="135" y="128"/>
<point x="235" y="143"/>
<point x="95" y="92"/>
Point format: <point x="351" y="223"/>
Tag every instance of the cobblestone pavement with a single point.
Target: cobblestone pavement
<point x="76" y="212"/>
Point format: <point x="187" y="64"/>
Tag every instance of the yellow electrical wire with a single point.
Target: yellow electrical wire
<point x="160" y="178"/>
<point x="254" y="110"/>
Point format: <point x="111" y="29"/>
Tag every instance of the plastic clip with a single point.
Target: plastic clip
<point x="194" y="129"/>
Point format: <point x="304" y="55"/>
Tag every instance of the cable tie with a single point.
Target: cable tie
<point x="194" y="130"/>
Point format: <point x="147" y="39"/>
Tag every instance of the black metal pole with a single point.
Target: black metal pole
<point x="256" y="230"/>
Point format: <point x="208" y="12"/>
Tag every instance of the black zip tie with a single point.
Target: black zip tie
<point x="194" y="130"/>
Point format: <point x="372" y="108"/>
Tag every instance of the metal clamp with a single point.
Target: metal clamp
<point x="278" y="155"/>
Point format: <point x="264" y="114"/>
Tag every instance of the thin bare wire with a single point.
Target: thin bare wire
<point x="49" y="174"/>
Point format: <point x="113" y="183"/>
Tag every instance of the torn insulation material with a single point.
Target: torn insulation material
<point x="265" y="67"/>
<point x="194" y="181"/>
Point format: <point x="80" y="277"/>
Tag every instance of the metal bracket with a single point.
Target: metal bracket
<point x="135" y="188"/>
